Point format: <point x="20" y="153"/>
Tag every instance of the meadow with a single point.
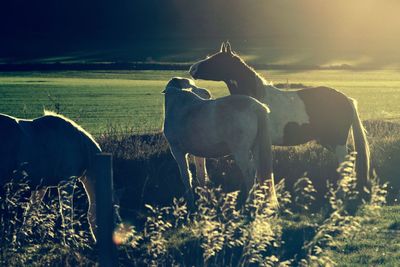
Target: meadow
<point x="132" y="100"/>
<point x="124" y="109"/>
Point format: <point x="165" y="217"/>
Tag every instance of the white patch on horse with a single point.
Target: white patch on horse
<point x="285" y="107"/>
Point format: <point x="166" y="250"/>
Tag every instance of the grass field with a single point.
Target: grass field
<point x="145" y="172"/>
<point x="378" y="244"/>
<point x="132" y="99"/>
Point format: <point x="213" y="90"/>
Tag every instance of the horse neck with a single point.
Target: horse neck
<point x="247" y="82"/>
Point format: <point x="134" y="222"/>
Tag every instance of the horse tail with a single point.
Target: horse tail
<point x="362" y="148"/>
<point x="263" y="151"/>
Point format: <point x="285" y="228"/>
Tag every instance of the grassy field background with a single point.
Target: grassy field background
<point x="132" y="100"/>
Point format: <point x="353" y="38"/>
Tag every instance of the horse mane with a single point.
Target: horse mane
<point x="74" y="124"/>
<point x="251" y="69"/>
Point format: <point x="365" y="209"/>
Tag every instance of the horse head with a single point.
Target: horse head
<point x="220" y="66"/>
<point x="179" y="83"/>
<point x="226" y="66"/>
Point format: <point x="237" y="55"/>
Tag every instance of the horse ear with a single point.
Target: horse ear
<point x="223" y="47"/>
<point x="228" y="48"/>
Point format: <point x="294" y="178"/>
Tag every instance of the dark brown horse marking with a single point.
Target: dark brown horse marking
<point x="330" y="113"/>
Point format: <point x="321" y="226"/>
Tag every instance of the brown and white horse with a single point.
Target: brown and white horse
<point x="50" y="149"/>
<point x="232" y="125"/>
<point x="321" y="113"/>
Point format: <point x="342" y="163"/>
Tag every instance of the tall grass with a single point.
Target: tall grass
<point x="33" y="235"/>
<point x="218" y="233"/>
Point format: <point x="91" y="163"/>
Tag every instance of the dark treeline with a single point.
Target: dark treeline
<point x="70" y="20"/>
<point x="39" y="29"/>
<point x="308" y="32"/>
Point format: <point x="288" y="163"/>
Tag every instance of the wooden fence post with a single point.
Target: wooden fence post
<point x="105" y="210"/>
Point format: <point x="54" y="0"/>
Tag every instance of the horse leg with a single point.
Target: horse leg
<point x="186" y="176"/>
<point x="66" y="197"/>
<point x="268" y="180"/>
<point x="341" y="153"/>
<point x="35" y="199"/>
<point x="89" y="186"/>
<point x="248" y="172"/>
<point x="201" y="170"/>
<point x="37" y="196"/>
<point x="272" y="192"/>
<point x="61" y="211"/>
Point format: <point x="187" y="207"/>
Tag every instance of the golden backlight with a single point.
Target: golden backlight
<point x="306" y="32"/>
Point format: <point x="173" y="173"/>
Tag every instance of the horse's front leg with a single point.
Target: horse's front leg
<point x="201" y="170"/>
<point x="186" y="176"/>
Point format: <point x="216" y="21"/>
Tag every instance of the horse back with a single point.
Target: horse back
<point x="62" y="149"/>
<point x="237" y="117"/>
<point x="205" y="128"/>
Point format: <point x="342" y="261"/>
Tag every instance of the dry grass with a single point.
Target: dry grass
<point x="157" y="228"/>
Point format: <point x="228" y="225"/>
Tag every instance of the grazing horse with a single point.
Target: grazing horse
<point x="50" y="149"/>
<point x="205" y="128"/>
<point x="321" y="113"/>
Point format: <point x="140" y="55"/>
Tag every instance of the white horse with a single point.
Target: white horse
<point x="199" y="162"/>
<point x="321" y="113"/>
<point x="234" y="125"/>
<point x="50" y="149"/>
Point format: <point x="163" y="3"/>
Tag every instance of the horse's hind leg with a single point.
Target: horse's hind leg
<point x="66" y="197"/>
<point x="341" y="153"/>
<point x="89" y="186"/>
<point x="201" y="170"/>
<point x="186" y="176"/>
<point x="37" y="195"/>
<point x="266" y="176"/>
<point x="248" y="171"/>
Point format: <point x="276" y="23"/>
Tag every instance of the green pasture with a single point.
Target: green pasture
<point x="377" y="244"/>
<point x="131" y="100"/>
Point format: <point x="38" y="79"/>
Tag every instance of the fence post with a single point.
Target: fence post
<point x="104" y="210"/>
